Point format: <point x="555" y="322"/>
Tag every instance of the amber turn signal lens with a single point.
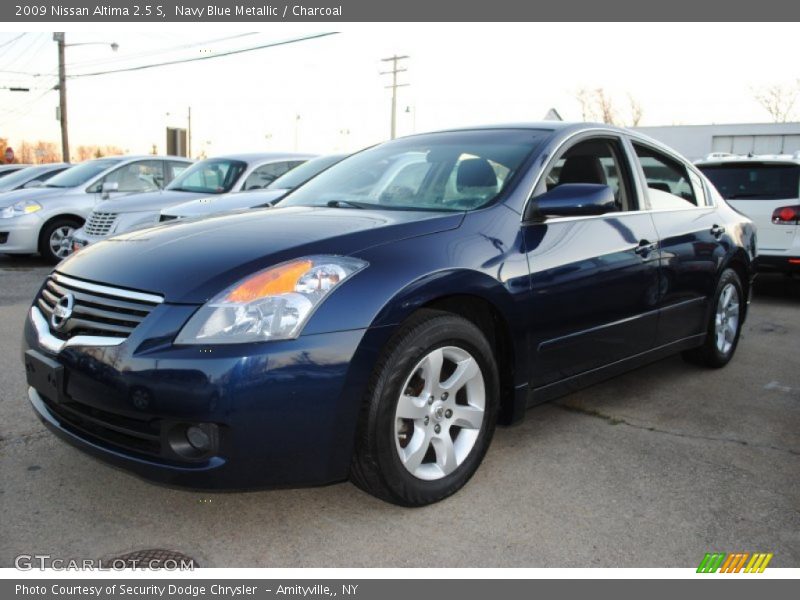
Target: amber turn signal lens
<point x="280" y="280"/>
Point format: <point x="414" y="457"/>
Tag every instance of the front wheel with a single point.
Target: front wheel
<point x="430" y="411"/>
<point x="55" y="241"/>
<point x="724" y="326"/>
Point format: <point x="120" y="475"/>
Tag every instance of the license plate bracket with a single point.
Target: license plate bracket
<point x="45" y="375"/>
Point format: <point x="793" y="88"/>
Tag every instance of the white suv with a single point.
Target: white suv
<point x="766" y="189"/>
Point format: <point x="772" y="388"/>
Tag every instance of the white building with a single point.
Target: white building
<point x="697" y="141"/>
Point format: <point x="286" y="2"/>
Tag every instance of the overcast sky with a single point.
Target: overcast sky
<point x="458" y="74"/>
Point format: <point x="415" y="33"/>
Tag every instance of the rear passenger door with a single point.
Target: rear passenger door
<point x="594" y="279"/>
<point x="691" y="239"/>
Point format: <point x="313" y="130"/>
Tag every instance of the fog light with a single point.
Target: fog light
<point x="198" y="438"/>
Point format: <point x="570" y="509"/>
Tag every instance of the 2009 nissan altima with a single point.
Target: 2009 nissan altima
<point x="379" y="322"/>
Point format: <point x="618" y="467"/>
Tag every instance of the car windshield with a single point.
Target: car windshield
<point x="80" y="174"/>
<point x="756" y="181"/>
<point x="212" y="176"/>
<point x="452" y="171"/>
<point x="19" y="178"/>
<point x="299" y="175"/>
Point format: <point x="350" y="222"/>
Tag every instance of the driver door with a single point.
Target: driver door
<point x="594" y="279"/>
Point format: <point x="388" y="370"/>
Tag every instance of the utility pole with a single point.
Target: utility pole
<point x="62" y="96"/>
<point x="189" y="134"/>
<point x="395" y="70"/>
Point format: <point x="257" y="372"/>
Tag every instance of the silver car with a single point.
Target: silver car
<point x="32" y="176"/>
<point x="213" y="176"/>
<point x="43" y="219"/>
<point x="276" y="190"/>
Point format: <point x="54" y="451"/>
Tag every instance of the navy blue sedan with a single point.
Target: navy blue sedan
<point x="378" y="323"/>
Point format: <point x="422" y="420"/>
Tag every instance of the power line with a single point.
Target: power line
<point x="158" y="51"/>
<point x="199" y="58"/>
<point x="11" y="41"/>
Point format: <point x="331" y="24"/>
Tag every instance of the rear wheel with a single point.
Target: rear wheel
<point x="725" y="323"/>
<point x="55" y="241"/>
<point x="430" y="411"/>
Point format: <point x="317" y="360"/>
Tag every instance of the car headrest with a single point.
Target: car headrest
<point x="475" y="172"/>
<point x="582" y="169"/>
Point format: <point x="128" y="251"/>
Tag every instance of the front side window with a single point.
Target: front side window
<point x="266" y="174"/>
<point x="668" y="183"/>
<point x="140" y="176"/>
<point x="80" y="174"/>
<point x="452" y="171"/>
<point x="175" y="168"/>
<point x="754" y="181"/>
<point x="597" y="161"/>
<point x="212" y="176"/>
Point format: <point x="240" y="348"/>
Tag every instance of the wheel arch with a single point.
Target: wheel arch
<point x="488" y="304"/>
<point x="68" y="215"/>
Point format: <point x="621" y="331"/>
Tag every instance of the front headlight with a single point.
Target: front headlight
<point x="272" y="304"/>
<point x="24" y="207"/>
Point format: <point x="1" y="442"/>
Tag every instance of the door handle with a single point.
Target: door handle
<point x="645" y="248"/>
<point x="717" y="230"/>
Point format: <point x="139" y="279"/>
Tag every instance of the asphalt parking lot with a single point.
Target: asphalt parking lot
<point x="654" y="468"/>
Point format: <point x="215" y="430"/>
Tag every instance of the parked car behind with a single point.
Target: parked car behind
<point x="766" y="189"/>
<point x="378" y="332"/>
<point x="32" y="176"/>
<point x="267" y="196"/>
<point x="6" y="170"/>
<point x="213" y="176"/>
<point x="43" y="219"/>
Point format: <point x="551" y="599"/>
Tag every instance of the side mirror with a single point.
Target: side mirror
<point x="573" y="200"/>
<point x="108" y="188"/>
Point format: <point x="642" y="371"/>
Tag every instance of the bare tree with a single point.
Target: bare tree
<point x="636" y="111"/>
<point x="584" y="98"/>
<point x="605" y="107"/>
<point x="778" y="100"/>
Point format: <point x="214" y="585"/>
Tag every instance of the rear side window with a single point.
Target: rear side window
<point x="266" y="174"/>
<point x="668" y="183"/>
<point x="754" y="181"/>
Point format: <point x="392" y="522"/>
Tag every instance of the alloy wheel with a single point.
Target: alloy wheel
<point x="61" y="241"/>
<point x="440" y="413"/>
<point x="726" y="322"/>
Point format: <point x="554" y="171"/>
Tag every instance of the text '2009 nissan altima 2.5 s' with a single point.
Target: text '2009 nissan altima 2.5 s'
<point x="377" y="331"/>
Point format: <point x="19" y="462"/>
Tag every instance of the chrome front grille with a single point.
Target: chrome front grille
<point x="96" y="309"/>
<point x="100" y="223"/>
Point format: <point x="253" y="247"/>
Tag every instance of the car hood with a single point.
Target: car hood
<point x="148" y="201"/>
<point x="14" y="196"/>
<point x="192" y="261"/>
<point x="216" y="204"/>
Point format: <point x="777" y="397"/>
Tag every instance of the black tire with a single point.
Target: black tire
<point x="377" y="467"/>
<point x="710" y="354"/>
<point x="48" y="230"/>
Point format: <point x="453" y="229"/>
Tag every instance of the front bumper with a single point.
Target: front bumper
<point x="285" y="412"/>
<point x="20" y="235"/>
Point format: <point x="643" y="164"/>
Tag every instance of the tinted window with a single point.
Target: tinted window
<point x="668" y="180"/>
<point x="80" y="174"/>
<point x="212" y="176"/>
<point x="456" y="171"/>
<point x="754" y="181"/>
<point x="266" y="174"/>
<point x="302" y="173"/>
<point x="597" y="161"/>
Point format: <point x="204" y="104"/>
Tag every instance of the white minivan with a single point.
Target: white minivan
<point x="766" y="189"/>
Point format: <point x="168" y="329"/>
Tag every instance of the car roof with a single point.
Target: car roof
<point x="732" y="159"/>
<point x="143" y="156"/>
<point x="254" y="156"/>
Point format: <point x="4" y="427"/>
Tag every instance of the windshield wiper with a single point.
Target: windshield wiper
<point x="346" y="204"/>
